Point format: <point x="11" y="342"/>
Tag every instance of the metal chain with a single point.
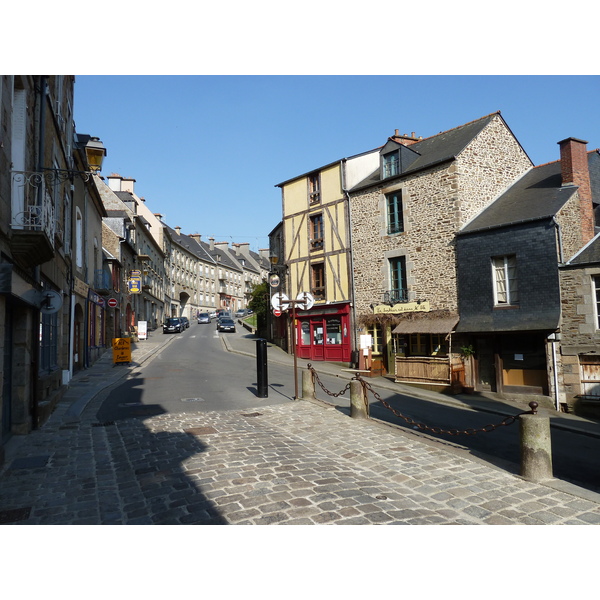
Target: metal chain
<point x="437" y="430"/>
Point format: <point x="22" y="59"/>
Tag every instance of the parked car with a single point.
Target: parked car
<point x="240" y="314"/>
<point x="204" y="318"/>
<point x="226" y="324"/>
<point x="173" y="325"/>
<point x="186" y="322"/>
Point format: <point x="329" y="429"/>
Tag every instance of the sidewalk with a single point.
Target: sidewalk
<point x="296" y="463"/>
<point x="246" y="344"/>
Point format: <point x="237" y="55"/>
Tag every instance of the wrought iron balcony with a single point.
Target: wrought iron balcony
<point x="392" y="297"/>
<point x="102" y="281"/>
<point x="35" y="231"/>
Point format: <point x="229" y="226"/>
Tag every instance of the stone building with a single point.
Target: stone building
<point x="45" y="176"/>
<point x="513" y="307"/>
<point x="404" y="219"/>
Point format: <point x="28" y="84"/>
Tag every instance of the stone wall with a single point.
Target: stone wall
<point x="436" y="203"/>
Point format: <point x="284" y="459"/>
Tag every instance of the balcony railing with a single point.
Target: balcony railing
<point x="395" y="296"/>
<point x="102" y="281"/>
<point x="34" y="219"/>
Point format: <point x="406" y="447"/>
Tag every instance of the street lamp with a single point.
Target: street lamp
<point x="95" y="152"/>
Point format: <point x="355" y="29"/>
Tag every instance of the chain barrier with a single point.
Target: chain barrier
<point x="415" y="424"/>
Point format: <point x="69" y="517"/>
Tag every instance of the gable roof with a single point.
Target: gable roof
<point x="589" y="254"/>
<point x="444" y="146"/>
<point x="538" y="194"/>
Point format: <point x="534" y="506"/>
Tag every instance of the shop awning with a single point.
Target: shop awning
<point x="427" y="324"/>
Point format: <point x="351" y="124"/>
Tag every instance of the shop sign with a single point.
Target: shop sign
<point x="406" y="307"/>
<point x="121" y="350"/>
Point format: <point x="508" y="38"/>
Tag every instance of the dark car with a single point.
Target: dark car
<point x="204" y="318"/>
<point x="226" y="324"/>
<point x="173" y="325"/>
<point x="186" y="321"/>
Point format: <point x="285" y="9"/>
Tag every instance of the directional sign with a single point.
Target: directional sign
<point x="308" y="300"/>
<point x="280" y="301"/>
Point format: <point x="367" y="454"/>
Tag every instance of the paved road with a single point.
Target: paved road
<point x="297" y="462"/>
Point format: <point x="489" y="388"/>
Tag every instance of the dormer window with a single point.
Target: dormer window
<point x="391" y="164"/>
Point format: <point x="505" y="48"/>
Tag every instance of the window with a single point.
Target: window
<point x="394" y="212"/>
<point x="596" y="282"/>
<point x="318" y="281"/>
<point x="398" y="291"/>
<point x="505" y="280"/>
<point x="316" y="232"/>
<point x="376" y="333"/>
<point x="390" y="164"/>
<point x="314" y="189"/>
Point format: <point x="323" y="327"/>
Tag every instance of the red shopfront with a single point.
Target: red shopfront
<point x="323" y="333"/>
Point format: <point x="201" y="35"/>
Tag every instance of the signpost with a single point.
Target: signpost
<point x="280" y="302"/>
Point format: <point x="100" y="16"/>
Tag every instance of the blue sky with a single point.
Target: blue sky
<point x="207" y="151"/>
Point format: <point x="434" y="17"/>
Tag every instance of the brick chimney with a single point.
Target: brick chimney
<point x="575" y="171"/>
<point x="405" y="139"/>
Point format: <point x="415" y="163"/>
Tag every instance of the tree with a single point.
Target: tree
<point x="259" y="303"/>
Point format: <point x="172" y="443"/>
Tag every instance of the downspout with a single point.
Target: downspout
<point x="350" y="261"/>
<point x="560" y="243"/>
<point x="35" y="363"/>
<point x="554" y="361"/>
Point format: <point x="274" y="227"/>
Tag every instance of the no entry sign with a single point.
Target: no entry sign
<point x="112" y="302"/>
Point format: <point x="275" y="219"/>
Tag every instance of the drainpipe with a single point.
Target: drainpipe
<point x="555" y="374"/>
<point x="350" y="259"/>
<point x="35" y="366"/>
<point x="560" y="244"/>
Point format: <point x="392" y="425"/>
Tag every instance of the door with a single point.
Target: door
<point x="318" y="338"/>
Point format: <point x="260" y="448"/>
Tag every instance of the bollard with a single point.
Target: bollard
<point x="308" y="385"/>
<point x="359" y="408"/>
<point x="536" y="448"/>
<point x="261" y="369"/>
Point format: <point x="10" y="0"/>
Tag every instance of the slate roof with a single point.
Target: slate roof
<point x="588" y="254"/>
<point x="537" y="195"/>
<point x="439" y="148"/>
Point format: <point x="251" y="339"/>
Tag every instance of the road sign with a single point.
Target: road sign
<point x="280" y="301"/>
<point x="276" y="312"/>
<point x="308" y="300"/>
<point x="112" y="302"/>
<point x="274" y="280"/>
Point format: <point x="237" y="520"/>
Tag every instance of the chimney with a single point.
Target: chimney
<point x="127" y="184"/>
<point x="212" y="242"/>
<point x="196" y="236"/>
<point x="405" y="139"/>
<point x="575" y="171"/>
<point x="178" y="230"/>
<point x="114" y="182"/>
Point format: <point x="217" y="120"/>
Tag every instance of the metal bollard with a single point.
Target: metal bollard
<point x="359" y="408"/>
<point x="262" y="390"/>
<point x="536" y="447"/>
<point x="308" y="385"/>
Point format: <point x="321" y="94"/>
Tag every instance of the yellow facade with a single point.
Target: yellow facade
<point x="303" y="252"/>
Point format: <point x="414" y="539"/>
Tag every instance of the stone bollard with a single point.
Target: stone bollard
<point x="536" y="447"/>
<point x="308" y="385"/>
<point x="359" y="409"/>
